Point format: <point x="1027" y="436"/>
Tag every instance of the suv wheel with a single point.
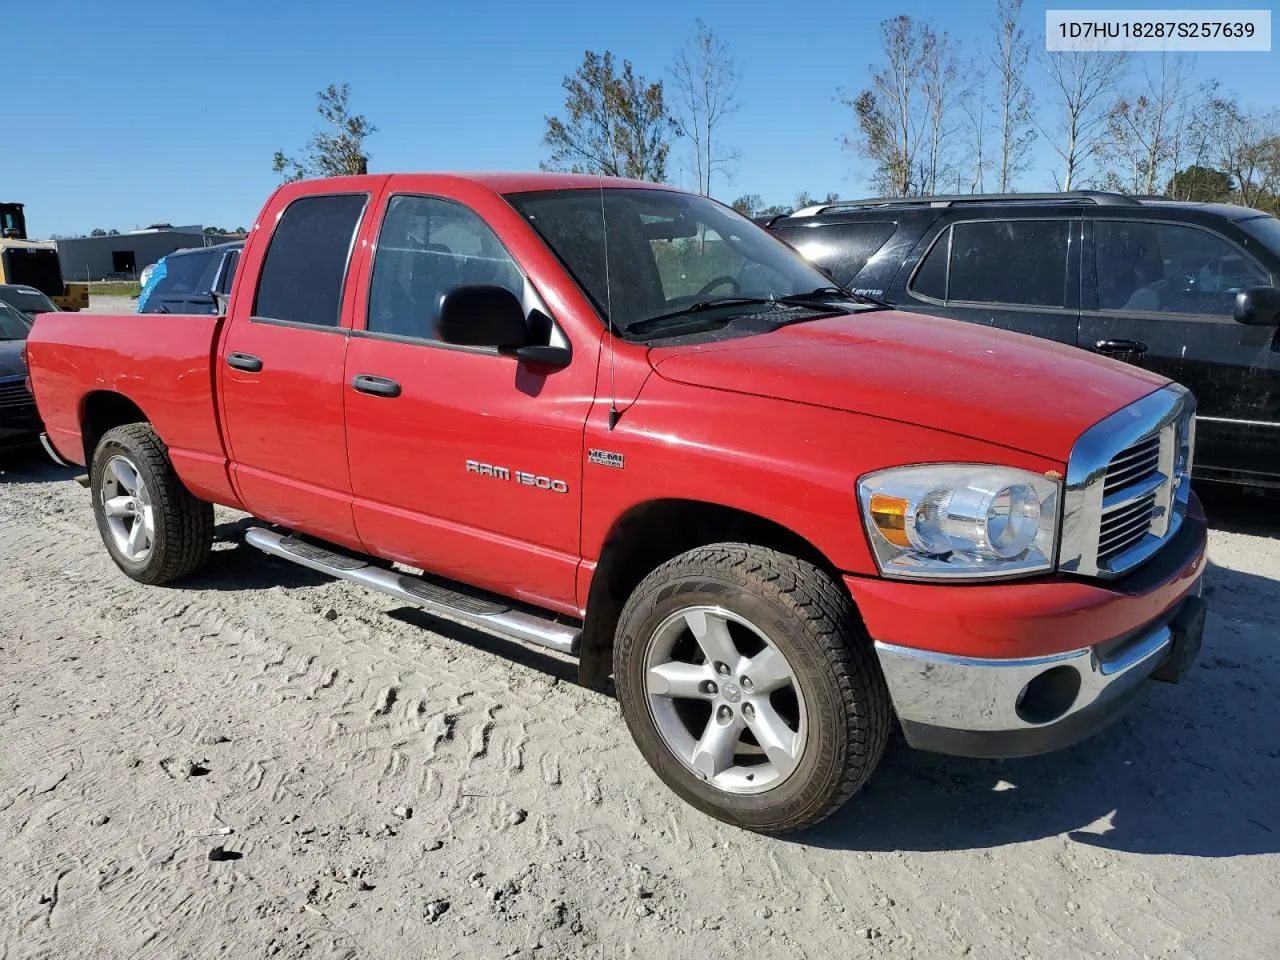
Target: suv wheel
<point x="748" y="688"/>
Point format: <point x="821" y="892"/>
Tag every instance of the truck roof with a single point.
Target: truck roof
<point x="510" y="182"/>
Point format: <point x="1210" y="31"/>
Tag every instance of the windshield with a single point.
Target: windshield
<point x="27" y="300"/>
<point x="667" y="251"/>
<point x="1264" y="229"/>
<point x="14" y="324"/>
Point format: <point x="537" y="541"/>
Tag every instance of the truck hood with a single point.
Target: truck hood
<point x="11" y="364"/>
<point x="992" y="385"/>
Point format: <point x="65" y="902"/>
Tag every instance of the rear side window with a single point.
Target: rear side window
<point x="841" y="249"/>
<point x="306" y="265"/>
<point x="1015" y="262"/>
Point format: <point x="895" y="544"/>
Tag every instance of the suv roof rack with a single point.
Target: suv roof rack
<point x="1100" y="197"/>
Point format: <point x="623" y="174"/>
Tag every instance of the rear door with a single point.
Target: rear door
<point x="1159" y="295"/>
<point x="281" y="367"/>
<point x="1014" y="274"/>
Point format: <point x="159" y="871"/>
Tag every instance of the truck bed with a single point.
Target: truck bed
<point x="84" y="363"/>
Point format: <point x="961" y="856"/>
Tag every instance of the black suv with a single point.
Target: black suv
<point x="1187" y="290"/>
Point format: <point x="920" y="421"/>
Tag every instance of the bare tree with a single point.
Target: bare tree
<point x="888" y="124"/>
<point x="616" y="123"/>
<point x="1013" y="50"/>
<point x="974" y="102"/>
<point x="1249" y="152"/>
<point x="334" y="151"/>
<point x="939" y="75"/>
<point x="1144" y="128"/>
<point x="1083" y="82"/>
<point x="706" y="92"/>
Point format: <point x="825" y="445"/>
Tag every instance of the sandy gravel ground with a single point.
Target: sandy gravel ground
<point x="266" y="763"/>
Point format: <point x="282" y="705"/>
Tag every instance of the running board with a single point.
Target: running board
<point x="471" y="610"/>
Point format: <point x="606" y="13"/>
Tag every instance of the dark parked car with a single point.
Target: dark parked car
<point x="191" y="280"/>
<point x="27" y="299"/>
<point x="19" y="422"/>
<point x="1185" y="289"/>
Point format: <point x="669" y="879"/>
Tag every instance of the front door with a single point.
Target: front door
<point x="1160" y="296"/>
<point x="281" y="372"/>
<point x="464" y="462"/>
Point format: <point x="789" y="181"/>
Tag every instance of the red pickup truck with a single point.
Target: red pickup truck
<point x="620" y="421"/>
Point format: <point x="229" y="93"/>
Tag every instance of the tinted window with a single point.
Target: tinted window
<point x="1166" y="268"/>
<point x="931" y="279"/>
<point x="842" y="249"/>
<point x="229" y="274"/>
<point x="426" y="247"/>
<point x="306" y="264"/>
<point x="1020" y="262"/>
<point x="14" y="324"/>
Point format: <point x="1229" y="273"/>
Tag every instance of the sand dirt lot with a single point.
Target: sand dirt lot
<point x="266" y="763"/>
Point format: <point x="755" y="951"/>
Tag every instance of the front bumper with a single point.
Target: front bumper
<point x="1086" y="649"/>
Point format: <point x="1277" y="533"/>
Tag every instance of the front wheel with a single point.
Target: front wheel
<point x="155" y="529"/>
<point x="748" y="688"/>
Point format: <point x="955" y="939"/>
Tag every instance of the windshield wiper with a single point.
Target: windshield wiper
<point x="649" y="322"/>
<point x="831" y="293"/>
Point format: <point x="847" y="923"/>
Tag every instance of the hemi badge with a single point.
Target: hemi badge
<point x="606" y="458"/>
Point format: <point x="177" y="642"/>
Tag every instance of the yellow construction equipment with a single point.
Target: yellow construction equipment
<point x="34" y="263"/>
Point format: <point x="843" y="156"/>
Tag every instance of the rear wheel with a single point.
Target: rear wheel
<point x="746" y="685"/>
<point x="154" y="528"/>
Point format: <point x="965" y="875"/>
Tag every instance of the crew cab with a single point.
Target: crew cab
<point x="623" y="422"/>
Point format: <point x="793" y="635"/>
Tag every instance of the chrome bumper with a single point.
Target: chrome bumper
<point x="996" y="708"/>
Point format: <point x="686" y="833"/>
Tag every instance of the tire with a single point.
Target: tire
<point x="835" y="707"/>
<point x="173" y="529"/>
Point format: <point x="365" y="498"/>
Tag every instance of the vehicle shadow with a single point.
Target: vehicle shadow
<point x="32" y="465"/>
<point x="235" y="566"/>
<point x="1231" y="509"/>
<point x="1192" y="768"/>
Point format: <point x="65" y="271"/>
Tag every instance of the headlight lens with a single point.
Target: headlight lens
<point x="960" y="521"/>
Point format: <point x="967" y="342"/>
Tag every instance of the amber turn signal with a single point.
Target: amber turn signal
<point x="889" y="514"/>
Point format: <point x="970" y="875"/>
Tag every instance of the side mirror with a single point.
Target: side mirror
<point x="482" y="315"/>
<point x="485" y="315"/>
<point x="1258" y="307"/>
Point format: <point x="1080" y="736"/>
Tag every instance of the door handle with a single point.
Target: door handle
<point x="244" y="361"/>
<point x="375" y="386"/>
<point x="1120" y="346"/>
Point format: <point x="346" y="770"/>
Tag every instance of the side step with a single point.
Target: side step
<point x="473" y="611"/>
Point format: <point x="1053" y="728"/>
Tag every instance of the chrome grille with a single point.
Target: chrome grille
<point x="1127" y="485"/>
<point x="15" y="394"/>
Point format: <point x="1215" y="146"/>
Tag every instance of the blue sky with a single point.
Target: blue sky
<point x="119" y="115"/>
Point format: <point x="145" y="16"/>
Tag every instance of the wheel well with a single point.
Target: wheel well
<point x="105" y="411"/>
<point x="649" y="535"/>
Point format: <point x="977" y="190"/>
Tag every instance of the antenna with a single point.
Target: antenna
<point x="608" y="318"/>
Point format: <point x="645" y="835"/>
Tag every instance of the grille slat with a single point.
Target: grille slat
<point x="1117" y="537"/>
<point x="15" y="394"/>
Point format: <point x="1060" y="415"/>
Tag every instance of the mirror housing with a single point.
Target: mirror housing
<point x="1257" y="307"/>
<point x="483" y="315"/>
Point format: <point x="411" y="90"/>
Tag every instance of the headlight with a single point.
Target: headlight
<point x="960" y="521"/>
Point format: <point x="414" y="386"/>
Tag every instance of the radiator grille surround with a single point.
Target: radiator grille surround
<point x="1127" y="485"/>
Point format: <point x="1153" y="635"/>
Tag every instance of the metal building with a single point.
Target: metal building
<point x="124" y="255"/>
